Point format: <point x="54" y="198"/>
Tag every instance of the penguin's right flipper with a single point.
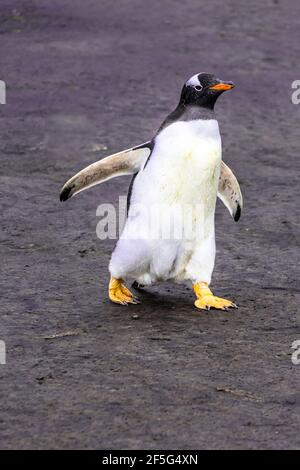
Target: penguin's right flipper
<point x="229" y="192"/>
<point x="127" y="162"/>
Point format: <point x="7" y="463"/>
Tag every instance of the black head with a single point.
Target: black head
<point x="203" y="89"/>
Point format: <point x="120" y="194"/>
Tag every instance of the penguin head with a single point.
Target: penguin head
<point x="203" y="89"/>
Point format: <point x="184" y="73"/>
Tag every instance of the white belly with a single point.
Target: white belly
<point x="178" y="184"/>
<point x="184" y="165"/>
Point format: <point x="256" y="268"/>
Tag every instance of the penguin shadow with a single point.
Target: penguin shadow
<point x="172" y="301"/>
<point x="164" y="304"/>
<point x="167" y="301"/>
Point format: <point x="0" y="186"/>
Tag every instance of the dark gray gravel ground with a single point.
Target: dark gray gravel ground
<point x="95" y="74"/>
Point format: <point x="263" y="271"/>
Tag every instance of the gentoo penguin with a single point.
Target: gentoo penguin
<point x="177" y="178"/>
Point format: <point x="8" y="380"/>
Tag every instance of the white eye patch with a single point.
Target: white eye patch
<point x="193" y="81"/>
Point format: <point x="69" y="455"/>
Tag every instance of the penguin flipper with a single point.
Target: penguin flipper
<point x="126" y="162"/>
<point x="229" y="192"/>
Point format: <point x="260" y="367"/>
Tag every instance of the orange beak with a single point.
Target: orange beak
<point x="222" y="86"/>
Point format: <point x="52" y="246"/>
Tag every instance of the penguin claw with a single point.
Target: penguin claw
<point x="214" y="303"/>
<point x="206" y="300"/>
<point x="119" y="294"/>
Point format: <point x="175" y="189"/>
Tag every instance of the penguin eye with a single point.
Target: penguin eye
<point x="198" y="87"/>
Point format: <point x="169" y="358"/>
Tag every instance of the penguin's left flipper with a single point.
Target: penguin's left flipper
<point x="128" y="162"/>
<point x="229" y="192"/>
